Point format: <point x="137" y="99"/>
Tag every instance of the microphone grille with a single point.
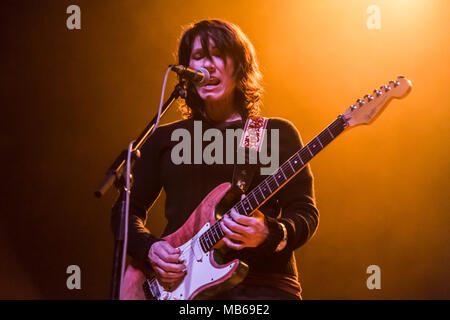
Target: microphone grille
<point x="206" y="76"/>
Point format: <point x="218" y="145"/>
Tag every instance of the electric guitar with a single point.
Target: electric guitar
<point x="199" y="237"/>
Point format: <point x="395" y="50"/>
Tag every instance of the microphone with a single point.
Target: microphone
<point x="199" y="76"/>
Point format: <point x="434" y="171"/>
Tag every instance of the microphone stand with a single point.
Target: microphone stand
<point x="116" y="175"/>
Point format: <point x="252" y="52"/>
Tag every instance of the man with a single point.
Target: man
<point x="266" y="240"/>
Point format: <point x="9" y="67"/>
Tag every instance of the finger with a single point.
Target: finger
<point x="233" y="245"/>
<point x="170" y="258"/>
<point x="169" y="267"/>
<point x="232" y="235"/>
<point x="169" y="249"/>
<point x="168" y="276"/>
<point x="168" y="254"/>
<point x="168" y="285"/>
<point x="241" y="219"/>
<point x="235" y="227"/>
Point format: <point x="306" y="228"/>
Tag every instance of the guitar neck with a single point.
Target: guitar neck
<point x="269" y="186"/>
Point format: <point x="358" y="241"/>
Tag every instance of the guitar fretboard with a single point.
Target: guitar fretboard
<point x="269" y="186"/>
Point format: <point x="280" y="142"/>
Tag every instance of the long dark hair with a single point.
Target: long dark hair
<point x="232" y="42"/>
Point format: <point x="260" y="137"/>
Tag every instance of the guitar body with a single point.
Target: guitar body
<point x="205" y="276"/>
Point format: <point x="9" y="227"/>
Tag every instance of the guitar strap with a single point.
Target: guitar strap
<point x="252" y="140"/>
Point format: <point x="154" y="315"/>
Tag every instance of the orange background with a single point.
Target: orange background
<point x="74" y="99"/>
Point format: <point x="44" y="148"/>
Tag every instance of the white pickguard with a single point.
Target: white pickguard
<point x="200" y="271"/>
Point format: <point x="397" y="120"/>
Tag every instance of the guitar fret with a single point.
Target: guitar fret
<point x="208" y="240"/>
<point x="211" y="237"/>
<point x="304" y="156"/>
<point x="281" y="169"/>
<point x="262" y="194"/>
<point x="314" y="147"/>
<point x="301" y="160"/>
<point x="208" y="237"/>
<point x="255" y="194"/>
<point x="290" y="164"/>
<point x="214" y="234"/>
<point x="279" y="176"/>
<point x="203" y="244"/>
<point x="251" y="197"/>
<point x="319" y="142"/>
<point x="325" y="138"/>
<point x="307" y="147"/>
<point x="267" y="184"/>
<point x="287" y="174"/>
<point x="240" y="208"/>
<point x="296" y="161"/>
<point x="275" y="180"/>
<point x="328" y="128"/>
<point x="264" y="188"/>
<point x="247" y="211"/>
<point x="220" y="231"/>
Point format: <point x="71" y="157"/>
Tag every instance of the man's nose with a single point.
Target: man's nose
<point x="208" y="65"/>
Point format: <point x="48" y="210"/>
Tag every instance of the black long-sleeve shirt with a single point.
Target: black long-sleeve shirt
<point x="186" y="185"/>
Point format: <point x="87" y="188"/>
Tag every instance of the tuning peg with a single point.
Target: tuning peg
<point x="360" y="102"/>
<point x="394" y="83"/>
<point x="377" y="92"/>
<point x="353" y="107"/>
<point x="386" y="88"/>
<point x="368" y="97"/>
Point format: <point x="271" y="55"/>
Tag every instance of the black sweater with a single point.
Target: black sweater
<point x="186" y="185"/>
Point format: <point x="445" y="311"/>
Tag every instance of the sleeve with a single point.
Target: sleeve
<point x="296" y="199"/>
<point x="144" y="191"/>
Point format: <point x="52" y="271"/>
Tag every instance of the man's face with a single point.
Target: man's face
<point x="222" y="82"/>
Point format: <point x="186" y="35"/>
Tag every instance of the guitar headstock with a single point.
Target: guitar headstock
<point x="365" y="110"/>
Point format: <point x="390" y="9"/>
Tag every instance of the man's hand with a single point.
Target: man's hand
<point x="165" y="261"/>
<point x="242" y="231"/>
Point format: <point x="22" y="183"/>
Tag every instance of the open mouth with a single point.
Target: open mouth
<point x="213" y="81"/>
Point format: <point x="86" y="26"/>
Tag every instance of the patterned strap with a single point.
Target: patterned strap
<point x="253" y="135"/>
<point x="252" y="138"/>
